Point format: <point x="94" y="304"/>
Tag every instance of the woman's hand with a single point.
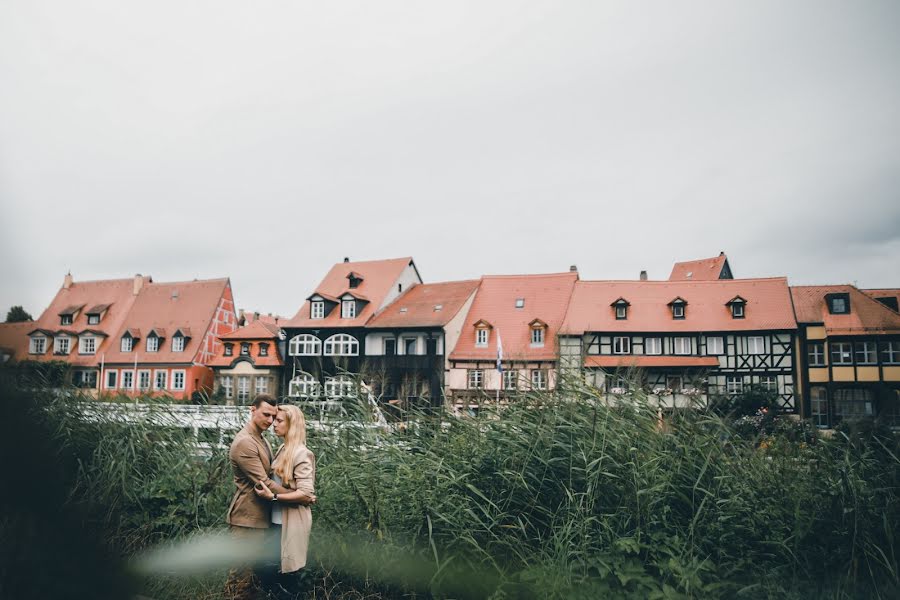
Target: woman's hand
<point x="263" y="491"/>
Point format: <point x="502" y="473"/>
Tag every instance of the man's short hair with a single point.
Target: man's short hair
<point x="268" y="399"/>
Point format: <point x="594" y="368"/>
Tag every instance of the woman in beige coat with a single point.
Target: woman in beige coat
<point x="294" y="467"/>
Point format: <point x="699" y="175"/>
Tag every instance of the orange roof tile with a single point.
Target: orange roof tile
<point x="546" y="297"/>
<point x="167" y="307"/>
<point x="705" y="269"/>
<point x="768" y="306"/>
<point x="14" y="339"/>
<point x="257" y="330"/>
<point x="650" y="361"/>
<point x="378" y="278"/>
<point x="866" y="315"/>
<point x="884" y="293"/>
<point x="417" y="306"/>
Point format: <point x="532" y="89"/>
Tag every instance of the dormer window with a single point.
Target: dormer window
<point x="37" y="345"/>
<point x="679" y="307"/>
<point x="152" y="343"/>
<point x="481" y="337"/>
<point x="621" y="306"/>
<point x="317" y="310"/>
<point x="62" y="344"/>
<point x="87" y="345"/>
<point x="538" y="333"/>
<point x="838" y="304"/>
<point x="93" y="319"/>
<point x="245" y="348"/>
<point x="127" y="343"/>
<point x="355" y="279"/>
<point x="178" y="343"/>
<point x="263" y="349"/>
<point x="229" y="349"/>
<point x="736" y="305"/>
<point x="520" y="302"/>
<point x="348" y="309"/>
<point x="65" y="320"/>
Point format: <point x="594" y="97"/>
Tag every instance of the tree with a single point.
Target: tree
<point x="17" y="314"/>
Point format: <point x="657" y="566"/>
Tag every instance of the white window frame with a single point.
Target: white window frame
<point x="415" y="348"/>
<point x="303" y="385"/>
<point x="737" y="310"/>
<point x="175" y="386"/>
<point x="37" y="345"/>
<point x="226" y="383"/>
<point x="682" y="346"/>
<point x="769" y="382"/>
<point x="340" y="386"/>
<point x="475" y="379"/>
<point x="60" y="341"/>
<point x="178" y="343"/>
<point x="87" y="345"/>
<point x="715" y="345"/>
<point x="845" y="357"/>
<point x="482" y="336"/>
<point x="243" y="388"/>
<point x="537" y="337"/>
<point x="539" y="379"/>
<point x="756" y="345"/>
<point x="317" y="309"/>
<point x="818" y="406"/>
<point x="621" y="312"/>
<point x="511" y="379"/>
<point x="341" y="344"/>
<point x="66" y="319"/>
<point x="261" y="385"/>
<point x="520" y="302"/>
<point x="245" y="348"/>
<point x="678" y="311"/>
<point x="126" y="344"/>
<point x="890" y="353"/>
<point x="93" y="319"/>
<point x="126" y="375"/>
<point x="140" y="376"/>
<point x="816" y="354"/>
<point x="621" y="344"/>
<point x="165" y="379"/>
<point x="154" y="346"/>
<point x="866" y="353"/>
<point x="305" y="344"/>
<point x="348" y="309"/>
<point x="734" y="384"/>
<point x="653" y="346"/>
<point x="114" y="375"/>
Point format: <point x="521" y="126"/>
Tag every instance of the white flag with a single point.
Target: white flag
<point x="499" y="352"/>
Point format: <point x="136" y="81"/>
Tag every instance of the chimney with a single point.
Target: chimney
<point x="643" y="275"/>
<point x="573" y="269"/>
<point x="256" y="316"/>
<point x="346" y="259"/>
<point x="68" y="281"/>
<point x="138" y="284"/>
<point x="721" y="253"/>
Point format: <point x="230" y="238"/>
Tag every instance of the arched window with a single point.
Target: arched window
<point x="341" y="344"/>
<point x="342" y="386"/>
<point x="305" y="345"/>
<point x="303" y="385"/>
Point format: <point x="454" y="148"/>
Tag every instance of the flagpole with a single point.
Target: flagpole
<point x="134" y="376"/>
<point x="499" y="365"/>
<point x="100" y="384"/>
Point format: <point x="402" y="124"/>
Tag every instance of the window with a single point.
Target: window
<point x="341" y="386"/>
<point x="111" y="377"/>
<point x="838" y="304"/>
<point x="853" y="403"/>
<point x="317" y="310"/>
<point x="341" y="344"/>
<point x="865" y="353"/>
<point x="537" y="336"/>
<point x="677" y="311"/>
<point x="65" y="319"/>
<point x="409" y="346"/>
<point x="127" y="380"/>
<point x="621" y="345"/>
<point x="153" y="344"/>
<point x="816" y="354"/>
<point x="62" y="345"/>
<point x="126" y="344"/>
<point x="85" y="379"/>
<point x="305" y="345"/>
<point x="652" y="345"/>
<point x="93" y="319"/>
<point x="178" y="343"/>
<point x="177" y="380"/>
<point x="841" y="353"/>
<point x="769" y="383"/>
<point x="818" y="405"/>
<point x="890" y="353"/>
<point x="229" y="349"/>
<point x="621" y="311"/>
<point x="756" y="345"/>
<point x="715" y="346"/>
<point x="510" y="379"/>
<point x="520" y="302"/>
<point x="161" y="380"/>
<point x="38" y="345"/>
<point x="390" y="346"/>
<point x="243" y="388"/>
<point x="737" y="310"/>
<point x="674" y="383"/>
<point x="617" y="385"/>
<point x="261" y="386"/>
<point x="476" y="379"/>
<point x="227" y="385"/>
<point x="538" y="379"/>
<point x="87" y="345"/>
<point x="245" y="348"/>
<point x="481" y="337"/>
<point x="348" y="309"/>
<point x="681" y="345"/>
<point x="303" y="385"/>
<point x="263" y="349"/>
<point x="143" y="380"/>
<point x="734" y="384"/>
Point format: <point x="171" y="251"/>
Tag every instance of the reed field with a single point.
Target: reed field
<point x="557" y="495"/>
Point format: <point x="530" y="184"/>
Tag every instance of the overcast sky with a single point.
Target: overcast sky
<point x="264" y="141"/>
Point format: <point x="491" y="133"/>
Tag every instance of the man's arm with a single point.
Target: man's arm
<point x="246" y="456"/>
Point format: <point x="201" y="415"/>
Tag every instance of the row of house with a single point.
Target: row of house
<point x="375" y="328"/>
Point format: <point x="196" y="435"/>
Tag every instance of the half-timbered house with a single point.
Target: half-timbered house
<point x="849" y="355"/>
<point x="683" y="340"/>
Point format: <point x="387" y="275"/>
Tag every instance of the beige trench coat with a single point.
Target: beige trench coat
<point x="297" y="519"/>
<point x="250" y="458"/>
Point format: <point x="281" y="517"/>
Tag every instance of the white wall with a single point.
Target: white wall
<point x="407" y="279"/>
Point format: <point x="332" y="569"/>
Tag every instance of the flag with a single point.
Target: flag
<point x="499" y="352"/>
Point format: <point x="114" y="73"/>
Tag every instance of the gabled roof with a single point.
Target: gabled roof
<point x="768" y="306"/>
<point x="704" y="269"/>
<point x="379" y="280"/>
<point x="97" y="309"/>
<point x="884" y="293"/>
<point x="420" y="302"/>
<point x="257" y="330"/>
<point x="71" y="310"/>
<point x="546" y="298"/>
<point x="866" y="316"/>
<point x="165" y="308"/>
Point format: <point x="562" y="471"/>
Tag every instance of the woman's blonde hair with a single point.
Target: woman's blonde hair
<point x="293" y="439"/>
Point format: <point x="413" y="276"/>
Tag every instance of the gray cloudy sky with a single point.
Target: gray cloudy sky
<point x="265" y="141"/>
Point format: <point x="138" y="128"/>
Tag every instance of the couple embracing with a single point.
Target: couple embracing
<point x="274" y="495"/>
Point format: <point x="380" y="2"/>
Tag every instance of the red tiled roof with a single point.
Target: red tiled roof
<point x="883" y="293"/>
<point x="650" y="361"/>
<point x="14" y="339"/>
<point x="768" y="306"/>
<point x="257" y="330"/>
<point x="546" y="298"/>
<point x="705" y="269"/>
<point x="167" y="307"/>
<point x="416" y="307"/>
<point x="378" y="278"/>
<point x="866" y="316"/>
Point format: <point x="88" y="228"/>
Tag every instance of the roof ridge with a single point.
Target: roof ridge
<point x="687" y="281"/>
<point x="535" y="275"/>
<point x="213" y="280"/>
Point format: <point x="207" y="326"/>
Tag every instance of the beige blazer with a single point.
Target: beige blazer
<point x="251" y="459"/>
<point x="296" y="519"/>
